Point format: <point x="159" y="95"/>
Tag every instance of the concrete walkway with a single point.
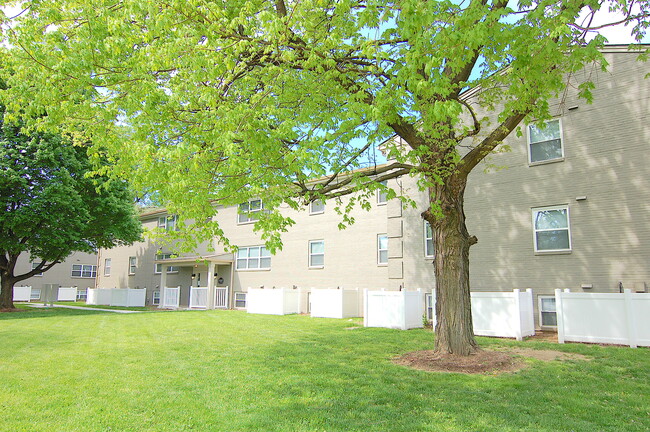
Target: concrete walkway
<point x="35" y="305"/>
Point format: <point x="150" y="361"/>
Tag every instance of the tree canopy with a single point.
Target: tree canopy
<point x="51" y="207"/>
<point x="210" y="101"/>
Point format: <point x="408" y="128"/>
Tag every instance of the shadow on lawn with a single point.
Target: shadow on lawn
<point x="24" y="312"/>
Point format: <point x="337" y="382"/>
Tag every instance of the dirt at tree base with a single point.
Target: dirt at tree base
<point x="482" y="362"/>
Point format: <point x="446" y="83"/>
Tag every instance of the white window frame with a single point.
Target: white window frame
<point x="380" y="250"/>
<point x="157" y="267"/>
<point x="529" y="143"/>
<point x="382" y="197"/>
<point x="82" y="294"/>
<point x="35" y="294"/>
<point x="107" y="266"/>
<point x="155" y="298"/>
<point x="534" y="212"/>
<point x="243" y="255"/>
<point x="133" y="265"/>
<point x="238" y="298"/>
<point x="310" y="255"/>
<point x="541" y="310"/>
<point x="246" y="215"/>
<point x="34" y="265"/>
<point x="428" y="306"/>
<point x="167" y="223"/>
<point x="428" y="253"/>
<point x="319" y="209"/>
<point x="86" y="271"/>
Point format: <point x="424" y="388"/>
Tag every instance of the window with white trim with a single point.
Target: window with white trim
<point x="155" y="298"/>
<point x="382" y="249"/>
<point x="253" y="258"/>
<point x="82" y="295"/>
<point x="551" y="229"/>
<point x="316" y="253"/>
<point x="84" y="270"/>
<point x="317" y="207"/>
<point x="428" y="303"/>
<point x="240" y="300"/>
<point x="35" y="294"/>
<point x="382" y="195"/>
<point x="133" y="265"/>
<point x="158" y="266"/>
<point x="429" y="251"/>
<point x="547" y="311"/>
<point x="249" y="211"/>
<point x="167" y="223"/>
<point x="34" y="265"/>
<point x="107" y="267"/>
<point x="545" y="144"/>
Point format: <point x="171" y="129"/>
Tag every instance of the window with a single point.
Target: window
<point x="84" y="270"/>
<point x="240" y="300"/>
<point x="382" y="196"/>
<point x="317" y="207"/>
<point x="547" y="311"/>
<point x="158" y="267"/>
<point x="82" y="295"/>
<point x="551" y="227"/>
<point x="382" y="249"/>
<point x="35" y="294"/>
<point x="428" y="302"/>
<point x="155" y="298"/>
<point x="249" y="211"/>
<point x="167" y="223"/>
<point x="316" y="253"/>
<point x="545" y="144"/>
<point x="253" y="258"/>
<point x="429" y="251"/>
<point x="107" y="267"/>
<point x="132" y="265"/>
<point x="34" y="265"/>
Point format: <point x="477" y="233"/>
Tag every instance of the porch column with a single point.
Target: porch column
<point x="163" y="284"/>
<point x="211" y="270"/>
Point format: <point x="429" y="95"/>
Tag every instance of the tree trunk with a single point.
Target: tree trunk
<point x="6" y="291"/>
<point x="454" y="329"/>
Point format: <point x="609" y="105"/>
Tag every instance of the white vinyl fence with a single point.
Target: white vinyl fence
<point x="116" y="297"/>
<point x="199" y="297"/>
<point x="171" y="297"/>
<point x="614" y="318"/>
<point x="67" y="294"/>
<point x="22" y="293"/>
<point x="273" y="301"/>
<point x="334" y="303"/>
<point x="501" y="314"/>
<point x="393" y="309"/>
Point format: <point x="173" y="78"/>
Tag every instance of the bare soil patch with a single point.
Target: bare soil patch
<point x="11" y="310"/>
<point x="482" y="362"/>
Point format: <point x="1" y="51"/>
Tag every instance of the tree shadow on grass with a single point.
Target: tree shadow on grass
<point x="24" y="312"/>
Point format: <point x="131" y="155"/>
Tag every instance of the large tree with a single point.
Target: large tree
<point x="223" y="101"/>
<point x="52" y="207"/>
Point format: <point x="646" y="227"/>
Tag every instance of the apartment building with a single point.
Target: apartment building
<point x="567" y="207"/>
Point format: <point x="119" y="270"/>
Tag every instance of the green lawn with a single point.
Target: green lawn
<point x="71" y="370"/>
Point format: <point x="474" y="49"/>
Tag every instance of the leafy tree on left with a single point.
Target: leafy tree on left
<point x="51" y="206"/>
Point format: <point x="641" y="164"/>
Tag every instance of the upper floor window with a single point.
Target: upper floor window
<point x="133" y="264"/>
<point x="84" y="270"/>
<point x="167" y="223"/>
<point x="107" y="267"/>
<point x="382" y="196"/>
<point x="429" y="252"/>
<point x="545" y="144"/>
<point x="158" y="267"/>
<point x="317" y="207"/>
<point x="382" y="249"/>
<point x="316" y="253"/>
<point x="249" y="211"/>
<point x="551" y="229"/>
<point x="34" y="265"/>
<point x="253" y="258"/>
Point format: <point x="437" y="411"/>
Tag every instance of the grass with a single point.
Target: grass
<point x="71" y="370"/>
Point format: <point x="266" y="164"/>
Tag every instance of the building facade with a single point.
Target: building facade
<point x="568" y="206"/>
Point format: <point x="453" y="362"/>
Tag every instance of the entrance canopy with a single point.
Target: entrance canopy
<point x="220" y="259"/>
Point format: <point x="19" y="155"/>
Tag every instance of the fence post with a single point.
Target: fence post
<point x="517" y="301"/>
<point x="559" y="313"/>
<point x="365" y="307"/>
<point x="630" y="318"/>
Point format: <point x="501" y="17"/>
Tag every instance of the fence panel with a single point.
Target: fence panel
<point x="272" y="301"/>
<point x="22" y="294"/>
<point x="615" y="318"/>
<point x="393" y="309"/>
<point x="171" y="297"/>
<point x="334" y="303"/>
<point x="221" y="297"/>
<point x="199" y="297"/>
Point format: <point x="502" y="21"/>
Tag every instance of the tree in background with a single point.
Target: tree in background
<point x="225" y="101"/>
<point x="51" y="207"/>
